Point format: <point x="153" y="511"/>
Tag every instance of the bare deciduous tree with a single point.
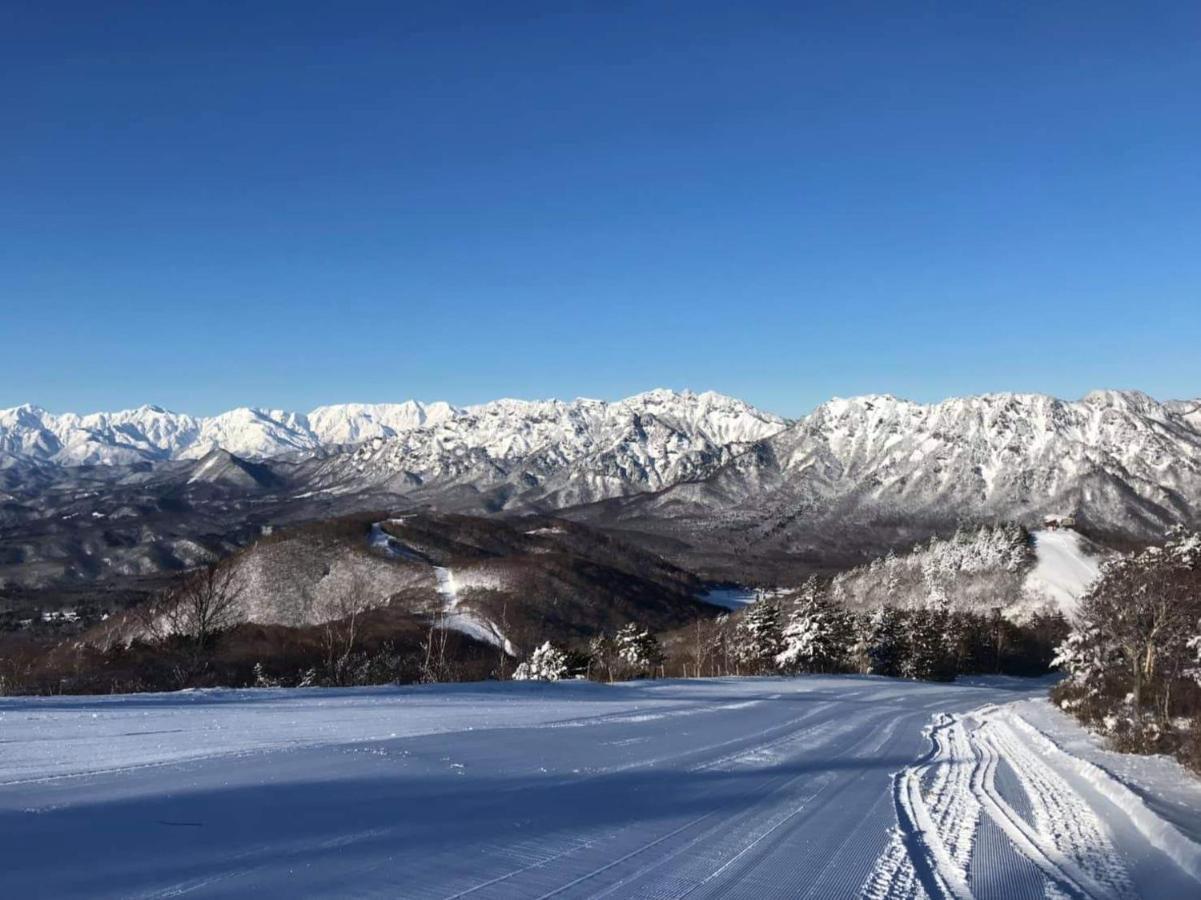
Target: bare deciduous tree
<point x="206" y="603"/>
<point x="434" y="667"/>
<point x="343" y="614"/>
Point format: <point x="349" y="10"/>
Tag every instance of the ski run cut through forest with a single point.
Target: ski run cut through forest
<point x="817" y="786"/>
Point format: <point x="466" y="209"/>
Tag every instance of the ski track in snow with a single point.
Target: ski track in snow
<point x="818" y="786"/>
<point x="960" y="824"/>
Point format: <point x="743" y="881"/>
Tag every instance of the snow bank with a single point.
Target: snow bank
<point x="1157" y="830"/>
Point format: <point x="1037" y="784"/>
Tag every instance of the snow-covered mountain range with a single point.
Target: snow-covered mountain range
<point x="1122" y="457"/>
<point x="1125" y="463"/>
<point x="502" y="429"/>
<point x="708" y="481"/>
<point x="516" y="454"/>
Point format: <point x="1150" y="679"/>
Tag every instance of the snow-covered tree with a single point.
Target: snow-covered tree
<point x="979" y="568"/>
<point x="758" y="638"/>
<point x="1086" y="658"/>
<point x="816" y="638"/>
<point x="546" y="663"/>
<point x="885" y="644"/>
<point x="930" y="656"/>
<point x="602" y="656"/>
<point x="638" y="650"/>
<point x="1142" y="614"/>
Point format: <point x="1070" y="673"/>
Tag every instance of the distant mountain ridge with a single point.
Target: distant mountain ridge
<point x="152" y="434"/>
<point x="707" y="481"/>
<point x="896" y="471"/>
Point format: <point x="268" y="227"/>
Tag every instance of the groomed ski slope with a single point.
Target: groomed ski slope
<point x="807" y="787"/>
<point x="1063" y="570"/>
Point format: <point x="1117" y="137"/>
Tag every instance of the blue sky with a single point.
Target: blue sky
<point x="206" y="205"/>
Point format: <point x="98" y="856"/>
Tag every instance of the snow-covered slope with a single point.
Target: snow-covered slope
<point x="1189" y="410"/>
<point x="978" y="570"/>
<point x="819" y="786"/>
<point x="1064" y="569"/>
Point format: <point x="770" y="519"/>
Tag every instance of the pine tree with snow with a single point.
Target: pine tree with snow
<point x="546" y="663"/>
<point x="930" y="656"/>
<point x="815" y="638"/>
<point x="885" y="646"/>
<point x="758" y="638"/>
<point x="638" y="650"/>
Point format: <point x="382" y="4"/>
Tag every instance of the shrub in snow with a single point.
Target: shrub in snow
<point x="1132" y="657"/>
<point x="262" y="679"/>
<point x="547" y="663"/>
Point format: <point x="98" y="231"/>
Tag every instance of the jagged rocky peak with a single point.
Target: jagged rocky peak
<point x="1131" y="463"/>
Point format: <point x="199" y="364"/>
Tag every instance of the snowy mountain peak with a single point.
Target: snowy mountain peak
<point x="1124" y="461"/>
<point x="510" y="427"/>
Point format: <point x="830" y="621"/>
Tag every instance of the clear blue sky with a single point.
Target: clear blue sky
<point x="208" y="204"/>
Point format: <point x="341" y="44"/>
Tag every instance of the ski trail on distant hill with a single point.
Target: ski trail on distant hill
<point x="457" y="618"/>
<point x="453" y="615"/>
<point x="1064" y="569"/>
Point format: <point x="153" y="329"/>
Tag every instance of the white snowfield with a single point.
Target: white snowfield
<point x="807" y="787"/>
<point x="1063" y="570"/>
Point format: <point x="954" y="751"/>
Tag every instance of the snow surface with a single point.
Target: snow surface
<point x="716" y="788"/>
<point x="1063" y="571"/>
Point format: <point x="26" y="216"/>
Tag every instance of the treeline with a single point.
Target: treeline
<point x="195" y="636"/>
<point x="1133" y="659"/>
<point x="811" y="632"/>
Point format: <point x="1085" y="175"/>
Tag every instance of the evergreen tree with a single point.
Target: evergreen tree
<point x="885" y="644"/>
<point x="930" y="656"/>
<point x="638" y="650"/>
<point x="547" y="663"/>
<point x="758" y="639"/>
<point x="816" y="637"/>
